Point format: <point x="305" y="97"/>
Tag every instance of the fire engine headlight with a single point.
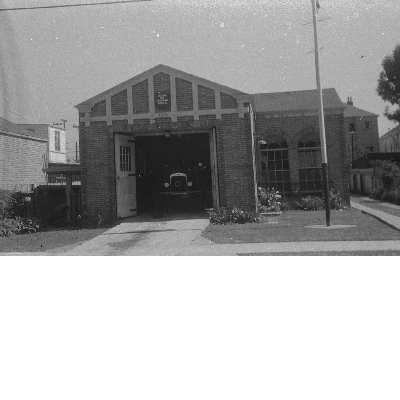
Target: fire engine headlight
<point x="166" y="184"/>
<point x="190" y="184"/>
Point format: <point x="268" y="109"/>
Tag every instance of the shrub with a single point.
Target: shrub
<point x="376" y="194"/>
<point x="385" y="195"/>
<point x="18" y="226"/>
<point x="335" y="200"/>
<point x="268" y="200"/>
<point x="234" y="215"/>
<point x="392" y="196"/>
<point x="311" y="203"/>
<point x="7" y="203"/>
<point x="286" y="206"/>
<point x="22" y="204"/>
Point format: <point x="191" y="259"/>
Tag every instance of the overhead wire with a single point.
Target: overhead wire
<point x="73" y="5"/>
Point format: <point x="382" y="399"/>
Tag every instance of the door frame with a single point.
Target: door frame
<point x="212" y="132"/>
<point x="214" y="168"/>
<point x="133" y="138"/>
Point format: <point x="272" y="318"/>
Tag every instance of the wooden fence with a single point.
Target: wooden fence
<point x="50" y="204"/>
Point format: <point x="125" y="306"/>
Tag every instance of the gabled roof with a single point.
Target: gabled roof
<point x="153" y="71"/>
<point x="393" y="132"/>
<point x="42" y="126"/>
<point x="39" y="130"/>
<point x="351" y="111"/>
<point x="301" y="100"/>
<point x="7" y="126"/>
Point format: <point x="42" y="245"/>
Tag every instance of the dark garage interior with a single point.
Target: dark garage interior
<point x="159" y="157"/>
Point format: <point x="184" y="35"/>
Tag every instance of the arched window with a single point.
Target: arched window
<point x="310" y="168"/>
<point x="275" y="166"/>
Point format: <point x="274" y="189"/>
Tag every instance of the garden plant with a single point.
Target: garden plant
<point x="268" y="200"/>
<point x="11" y="223"/>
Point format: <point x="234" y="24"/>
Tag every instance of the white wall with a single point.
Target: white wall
<point x="54" y="155"/>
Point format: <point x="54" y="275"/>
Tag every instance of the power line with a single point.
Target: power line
<point x="73" y="5"/>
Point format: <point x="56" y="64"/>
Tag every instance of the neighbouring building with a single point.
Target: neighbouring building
<point x="56" y="140"/>
<point x="168" y="133"/>
<point x="390" y="141"/>
<point x="73" y="147"/>
<point x="21" y="157"/>
<point x="361" y="130"/>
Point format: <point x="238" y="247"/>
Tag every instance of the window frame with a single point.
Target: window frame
<point x="125" y="158"/>
<point x="310" y="185"/>
<point x="57" y="140"/>
<point x="280" y="166"/>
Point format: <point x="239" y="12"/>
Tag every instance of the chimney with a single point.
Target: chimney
<point x="350" y="101"/>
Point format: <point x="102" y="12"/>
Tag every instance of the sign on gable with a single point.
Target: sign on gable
<point x="163" y="100"/>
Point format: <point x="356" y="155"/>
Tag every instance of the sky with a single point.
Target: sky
<point x="53" y="59"/>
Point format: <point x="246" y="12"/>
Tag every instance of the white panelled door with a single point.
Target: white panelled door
<point x="126" y="176"/>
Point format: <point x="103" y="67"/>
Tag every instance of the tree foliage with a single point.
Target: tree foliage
<point x="389" y="83"/>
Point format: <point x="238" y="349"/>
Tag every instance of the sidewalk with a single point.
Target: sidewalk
<point x="385" y="212"/>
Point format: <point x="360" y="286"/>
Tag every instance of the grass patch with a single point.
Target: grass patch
<point x="54" y="240"/>
<point x="362" y="253"/>
<point x="291" y="226"/>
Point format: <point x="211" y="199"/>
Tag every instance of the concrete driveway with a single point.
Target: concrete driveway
<point x="147" y="236"/>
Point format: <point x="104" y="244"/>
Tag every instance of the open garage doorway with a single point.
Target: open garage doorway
<point x="173" y="172"/>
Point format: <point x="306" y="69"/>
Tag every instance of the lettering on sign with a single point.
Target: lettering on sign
<point x="161" y="115"/>
<point x="163" y="101"/>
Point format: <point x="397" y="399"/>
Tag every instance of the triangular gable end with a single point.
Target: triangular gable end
<point x="166" y="92"/>
<point x="154" y="71"/>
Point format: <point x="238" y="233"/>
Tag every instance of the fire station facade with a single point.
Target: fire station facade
<point x="166" y="124"/>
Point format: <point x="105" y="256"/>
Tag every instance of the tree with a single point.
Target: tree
<point x="389" y="83"/>
<point x="354" y="151"/>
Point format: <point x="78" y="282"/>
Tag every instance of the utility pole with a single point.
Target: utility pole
<point x="63" y="121"/>
<point x="325" y="181"/>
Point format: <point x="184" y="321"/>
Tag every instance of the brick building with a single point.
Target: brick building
<point x="21" y="157"/>
<point x="390" y="141"/>
<point x="165" y="124"/>
<point x="56" y="141"/>
<point x="361" y="130"/>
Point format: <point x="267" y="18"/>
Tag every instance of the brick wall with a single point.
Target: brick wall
<point x="162" y="84"/>
<point x="119" y="103"/>
<point x="185" y="118"/>
<point x="363" y="137"/>
<point x="234" y="147"/>
<point x="184" y="95"/>
<point x="235" y="161"/>
<point x="234" y="154"/>
<point x="228" y="101"/>
<point x="21" y="161"/>
<point x="206" y="98"/>
<point x="140" y="97"/>
<point x="99" y="109"/>
<point x="98" y="173"/>
<point x="141" y="121"/>
<point x="292" y="128"/>
<point x="163" y="119"/>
